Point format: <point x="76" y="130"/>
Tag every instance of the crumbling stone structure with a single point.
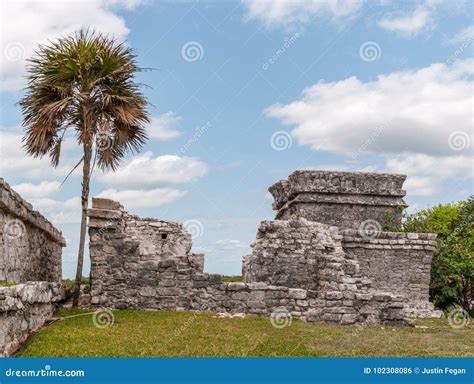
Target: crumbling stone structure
<point x="344" y="199"/>
<point x="30" y="254"/>
<point x="30" y="248"/>
<point x="346" y="273"/>
<point x="24" y="309"/>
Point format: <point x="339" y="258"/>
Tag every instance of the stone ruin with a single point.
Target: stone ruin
<point x="30" y="246"/>
<point x="342" y="199"/>
<point x="30" y="261"/>
<point x="324" y="258"/>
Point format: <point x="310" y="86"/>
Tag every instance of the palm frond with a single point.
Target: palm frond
<point x="82" y="82"/>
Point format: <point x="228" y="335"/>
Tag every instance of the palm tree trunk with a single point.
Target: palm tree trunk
<point x="86" y="168"/>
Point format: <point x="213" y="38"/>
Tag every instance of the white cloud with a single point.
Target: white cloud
<point x="142" y="182"/>
<point x="288" y="12"/>
<point x="408" y="25"/>
<point x="59" y="212"/>
<point x="14" y="161"/>
<point x="402" y="112"/>
<point x="428" y="174"/>
<point x="145" y="171"/>
<point x="162" y="127"/>
<point x="466" y="35"/>
<point x="132" y="199"/>
<point x="230" y="244"/>
<point x="31" y="191"/>
<point x="295" y="13"/>
<point x="25" y="24"/>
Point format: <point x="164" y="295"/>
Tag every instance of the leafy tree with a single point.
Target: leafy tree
<point x="452" y="273"/>
<point x="84" y="83"/>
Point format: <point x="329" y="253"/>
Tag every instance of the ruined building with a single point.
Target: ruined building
<point x="30" y="261"/>
<point x="324" y="258"/>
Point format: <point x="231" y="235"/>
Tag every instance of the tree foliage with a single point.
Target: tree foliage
<point x="452" y="273"/>
<point x="84" y="83"/>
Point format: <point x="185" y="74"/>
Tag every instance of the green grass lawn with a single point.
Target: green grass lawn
<point x="3" y="284"/>
<point x="163" y="333"/>
<point x="233" y="279"/>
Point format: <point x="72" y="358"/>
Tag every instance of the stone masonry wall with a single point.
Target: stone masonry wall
<point x="134" y="266"/>
<point x="345" y="199"/>
<point x="30" y="246"/>
<point x="24" y="309"/>
<point x="395" y="262"/>
<point x="309" y="255"/>
<point x="299" y="249"/>
<point x="351" y="272"/>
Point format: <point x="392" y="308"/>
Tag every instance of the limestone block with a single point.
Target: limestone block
<point x="295" y="293"/>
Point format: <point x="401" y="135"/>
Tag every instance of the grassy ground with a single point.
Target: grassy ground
<point x="3" y="284"/>
<point x="233" y="279"/>
<point x="162" y="333"/>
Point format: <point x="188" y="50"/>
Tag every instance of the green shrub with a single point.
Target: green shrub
<point x="452" y="272"/>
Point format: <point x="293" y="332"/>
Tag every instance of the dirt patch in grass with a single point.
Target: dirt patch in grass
<point x="164" y="333"/>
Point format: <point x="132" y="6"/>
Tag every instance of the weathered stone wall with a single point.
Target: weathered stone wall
<point x="30" y="246"/>
<point x="134" y="266"/>
<point x="309" y="255"/>
<point x="314" y="270"/>
<point x="395" y="262"/>
<point x="25" y="308"/>
<point x="344" y="199"/>
<point x="292" y="253"/>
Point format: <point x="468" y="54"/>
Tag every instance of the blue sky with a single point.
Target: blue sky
<point x="244" y="93"/>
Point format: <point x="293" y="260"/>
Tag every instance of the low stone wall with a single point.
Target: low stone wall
<point x="30" y="246"/>
<point x="310" y="255"/>
<point x="395" y="262"/>
<point x="25" y="308"/>
<point x="343" y="199"/>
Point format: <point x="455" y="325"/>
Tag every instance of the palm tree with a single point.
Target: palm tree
<point x="84" y="83"/>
